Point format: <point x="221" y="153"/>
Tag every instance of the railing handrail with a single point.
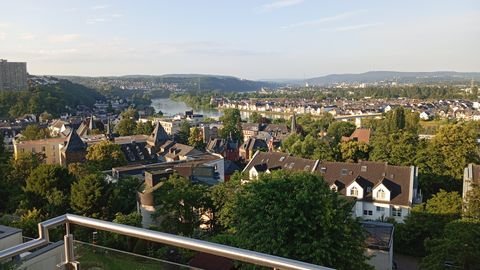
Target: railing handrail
<point x="159" y="237"/>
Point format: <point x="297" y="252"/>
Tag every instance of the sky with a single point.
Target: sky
<point x="253" y="39"/>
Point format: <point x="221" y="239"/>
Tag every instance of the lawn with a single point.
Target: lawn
<point x="97" y="258"/>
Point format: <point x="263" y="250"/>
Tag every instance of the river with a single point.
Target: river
<point x="171" y="107"/>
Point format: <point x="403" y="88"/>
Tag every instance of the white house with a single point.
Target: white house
<point x="380" y="190"/>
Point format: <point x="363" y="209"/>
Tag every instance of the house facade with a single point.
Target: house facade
<point x="381" y="191"/>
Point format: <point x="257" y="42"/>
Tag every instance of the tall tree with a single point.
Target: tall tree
<point x="338" y="129"/>
<point x="196" y="139"/>
<point x="457" y="248"/>
<point x="231" y="124"/>
<point x="472" y="203"/>
<point x="445" y="203"/>
<point x="184" y="133"/>
<point x="181" y="204"/>
<point x="452" y="149"/>
<point x="105" y="155"/>
<point x="263" y="211"/>
<point x="353" y="151"/>
<point x="34" y="132"/>
<point x="144" y="128"/>
<point x="89" y="196"/>
<point x="48" y="189"/>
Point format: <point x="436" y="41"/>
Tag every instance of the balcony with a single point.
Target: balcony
<point x="74" y="253"/>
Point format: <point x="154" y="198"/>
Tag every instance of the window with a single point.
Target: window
<point x="344" y="171"/>
<point x="380" y="209"/>
<point x="334" y="188"/>
<point x="354" y="191"/>
<point x="397" y="212"/>
<point x="323" y="169"/>
<point x="381" y="194"/>
<point x="363" y="168"/>
<point x="282" y="158"/>
<point x="367" y="212"/>
<point x="369" y="189"/>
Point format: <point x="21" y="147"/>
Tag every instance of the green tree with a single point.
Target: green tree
<point x="325" y="233"/>
<point x="184" y="133"/>
<point x="353" y="151"/>
<point x="338" y="129"/>
<point x="89" y="196"/>
<point x="458" y="247"/>
<point x="421" y="224"/>
<point x="144" y="128"/>
<point x="132" y="219"/>
<point x="255" y="118"/>
<point x="445" y="203"/>
<point x="472" y="203"/>
<point x="105" y="155"/>
<point x="231" y="125"/>
<point x="126" y="127"/>
<point x="33" y="132"/>
<point x="28" y="222"/>
<point x="48" y="188"/>
<point x="196" y="139"/>
<point x="180" y="205"/>
<point x="454" y="147"/>
<point x="314" y="126"/>
<point x="123" y="197"/>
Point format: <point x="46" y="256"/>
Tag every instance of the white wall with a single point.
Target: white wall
<point x="11" y="240"/>
<point x="47" y="260"/>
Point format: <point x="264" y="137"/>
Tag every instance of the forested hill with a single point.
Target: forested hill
<point x="400" y="77"/>
<point x="172" y="82"/>
<point x="53" y="98"/>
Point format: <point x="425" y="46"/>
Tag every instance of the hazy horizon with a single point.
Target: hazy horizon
<point x="271" y="39"/>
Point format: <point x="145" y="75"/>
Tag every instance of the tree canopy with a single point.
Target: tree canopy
<point x="105" y="155"/>
<point x="296" y="215"/>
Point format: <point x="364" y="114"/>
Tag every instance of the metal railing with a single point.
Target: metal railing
<point x="154" y="236"/>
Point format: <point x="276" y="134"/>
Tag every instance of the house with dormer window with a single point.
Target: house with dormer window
<point x="380" y="190"/>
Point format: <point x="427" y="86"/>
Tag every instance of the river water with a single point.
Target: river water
<point x="171" y="107"/>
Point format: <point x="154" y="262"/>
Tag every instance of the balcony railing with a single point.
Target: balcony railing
<point x="154" y="236"/>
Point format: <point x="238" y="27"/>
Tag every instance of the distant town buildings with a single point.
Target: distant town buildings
<point x="13" y="75"/>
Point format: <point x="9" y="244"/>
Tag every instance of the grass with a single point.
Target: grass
<point x="96" y="258"/>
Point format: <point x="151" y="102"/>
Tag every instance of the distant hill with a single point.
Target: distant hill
<point x="188" y="82"/>
<point x="400" y="77"/>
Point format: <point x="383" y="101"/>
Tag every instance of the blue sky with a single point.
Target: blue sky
<point x="248" y="39"/>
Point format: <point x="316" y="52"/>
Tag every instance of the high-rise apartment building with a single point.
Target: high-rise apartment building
<point x="13" y="75"/>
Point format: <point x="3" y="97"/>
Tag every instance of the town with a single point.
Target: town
<point x="231" y="135"/>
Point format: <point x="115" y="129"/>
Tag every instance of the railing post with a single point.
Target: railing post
<point x="70" y="263"/>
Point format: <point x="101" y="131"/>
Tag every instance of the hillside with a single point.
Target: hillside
<point x="400" y="77"/>
<point x="172" y="82"/>
<point x="52" y="98"/>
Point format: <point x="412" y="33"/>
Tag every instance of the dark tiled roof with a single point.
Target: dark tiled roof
<point x="74" y="143"/>
<point x="276" y="160"/>
<point x="253" y="144"/>
<point x="158" y="136"/>
<point x="396" y="178"/>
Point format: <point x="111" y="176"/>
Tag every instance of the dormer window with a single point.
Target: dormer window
<point x="381" y="194"/>
<point x="344" y="171"/>
<point x="334" y="188"/>
<point x="323" y="169"/>
<point x="363" y="168"/>
<point x="354" y="191"/>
